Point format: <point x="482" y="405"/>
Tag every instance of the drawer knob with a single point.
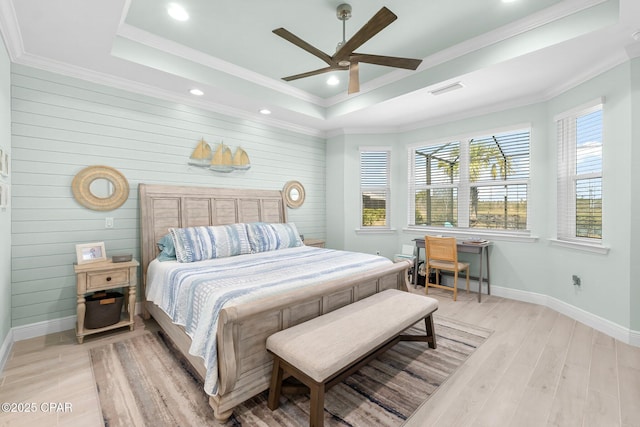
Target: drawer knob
<point x="108" y="279"/>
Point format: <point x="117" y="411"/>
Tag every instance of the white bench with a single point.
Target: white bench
<point x="323" y="351"/>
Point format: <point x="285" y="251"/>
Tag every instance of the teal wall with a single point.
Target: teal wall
<point x="61" y="125"/>
<point x="605" y="289"/>
<point x="5" y="214"/>
<point x="536" y="267"/>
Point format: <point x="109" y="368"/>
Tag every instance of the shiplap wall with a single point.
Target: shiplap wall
<point x="60" y="125"/>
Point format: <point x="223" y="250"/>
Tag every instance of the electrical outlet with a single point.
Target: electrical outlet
<point x="108" y="222"/>
<point x="576" y="280"/>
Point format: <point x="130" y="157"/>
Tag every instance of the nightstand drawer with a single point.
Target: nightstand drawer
<point x="107" y="278"/>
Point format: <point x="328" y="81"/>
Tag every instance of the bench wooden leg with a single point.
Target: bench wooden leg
<point x="316" y="416"/>
<point x="431" y="335"/>
<point x="276" y="385"/>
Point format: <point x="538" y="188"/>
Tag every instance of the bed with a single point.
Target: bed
<point x="243" y="366"/>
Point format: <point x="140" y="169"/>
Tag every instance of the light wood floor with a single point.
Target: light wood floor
<point x="539" y="368"/>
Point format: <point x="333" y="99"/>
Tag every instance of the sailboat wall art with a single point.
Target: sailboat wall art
<point x="201" y="155"/>
<point x="220" y="160"/>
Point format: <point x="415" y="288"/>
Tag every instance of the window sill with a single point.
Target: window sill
<point x="468" y="233"/>
<point x="580" y="246"/>
<point x="374" y="230"/>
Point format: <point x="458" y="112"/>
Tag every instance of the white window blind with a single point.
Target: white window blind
<point x="478" y="182"/>
<point x="436" y="176"/>
<point x="498" y="175"/>
<point x="374" y="187"/>
<point x="580" y="174"/>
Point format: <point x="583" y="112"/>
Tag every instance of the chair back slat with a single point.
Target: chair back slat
<point x="441" y="248"/>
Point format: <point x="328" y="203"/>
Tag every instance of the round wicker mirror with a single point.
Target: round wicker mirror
<point x="294" y="194"/>
<point x="115" y="194"/>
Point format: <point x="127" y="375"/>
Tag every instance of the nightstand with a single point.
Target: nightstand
<point x="318" y="243"/>
<point x="100" y="276"/>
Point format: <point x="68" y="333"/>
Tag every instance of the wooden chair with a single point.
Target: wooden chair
<point x="442" y="254"/>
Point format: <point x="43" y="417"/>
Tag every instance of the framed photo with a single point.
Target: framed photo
<point x="4" y="195"/>
<point x="90" y="252"/>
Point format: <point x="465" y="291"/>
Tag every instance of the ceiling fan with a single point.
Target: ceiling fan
<point x="345" y="58"/>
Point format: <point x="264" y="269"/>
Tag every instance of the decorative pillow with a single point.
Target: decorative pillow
<point x="288" y="236"/>
<point x="200" y="243"/>
<point x="270" y="237"/>
<point x="167" y="249"/>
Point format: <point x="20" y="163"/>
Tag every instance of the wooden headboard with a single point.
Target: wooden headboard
<point x="166" y="206"/>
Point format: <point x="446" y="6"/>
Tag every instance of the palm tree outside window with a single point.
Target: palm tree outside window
<point x="477" y="182"/>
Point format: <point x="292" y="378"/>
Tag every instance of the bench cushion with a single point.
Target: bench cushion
<point x="325" y="345"/>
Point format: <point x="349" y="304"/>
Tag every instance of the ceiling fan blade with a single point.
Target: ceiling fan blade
<point x="312" y="73"/>
<point x="389" y="61"/>
<point x="289" y="36"/>
<point x="354" y="78"/>
<point x="376" y="24"/>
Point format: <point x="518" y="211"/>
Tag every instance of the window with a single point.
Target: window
<point x="478" y="182"/>
<point x="437" y="178"/>
<point x="374" y="187"/>
<point x="580" y="174"/>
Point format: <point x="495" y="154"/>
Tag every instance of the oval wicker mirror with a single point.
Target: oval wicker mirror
<point x="113" y="197"/>
<point x="294" y="194"/>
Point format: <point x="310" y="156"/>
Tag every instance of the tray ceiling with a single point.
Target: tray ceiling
<point x="501" y="53"/>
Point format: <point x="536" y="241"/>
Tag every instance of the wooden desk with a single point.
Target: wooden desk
<point x="472" y="248"/>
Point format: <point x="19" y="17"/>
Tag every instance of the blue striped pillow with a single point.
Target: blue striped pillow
<point x="200" y="243"/>
<point x="269" y="237"/>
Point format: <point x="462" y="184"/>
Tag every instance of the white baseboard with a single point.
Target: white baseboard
<point x="50" y="326"/>
<point x="39" y="329"/>
<point x="46" y="327"/>
<point x="596" y="322"/>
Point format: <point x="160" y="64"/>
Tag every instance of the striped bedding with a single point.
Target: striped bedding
<point x="193" y="294"/>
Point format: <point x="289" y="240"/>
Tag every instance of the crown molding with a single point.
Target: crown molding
<point x="152" y="91"/>
<point x="531" y="22"/>
<point x="10" y="30"/>
<point x="172" y="48"/>
<point x="361" y="131"/>
<point x="603" y="65"/>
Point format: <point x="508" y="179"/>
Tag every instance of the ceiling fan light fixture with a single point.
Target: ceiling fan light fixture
<point x="345" y="57"/>
<point x="333" y="81"/>
<point x="177" y="12"/>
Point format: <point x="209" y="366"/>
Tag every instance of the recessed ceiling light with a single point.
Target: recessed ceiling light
<point x="333" y="80"/>
<point x="196" y="92"/>
<point x="177" y="12"/>
<point x="509" y="1"/>
<point x="265" y="111"/>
